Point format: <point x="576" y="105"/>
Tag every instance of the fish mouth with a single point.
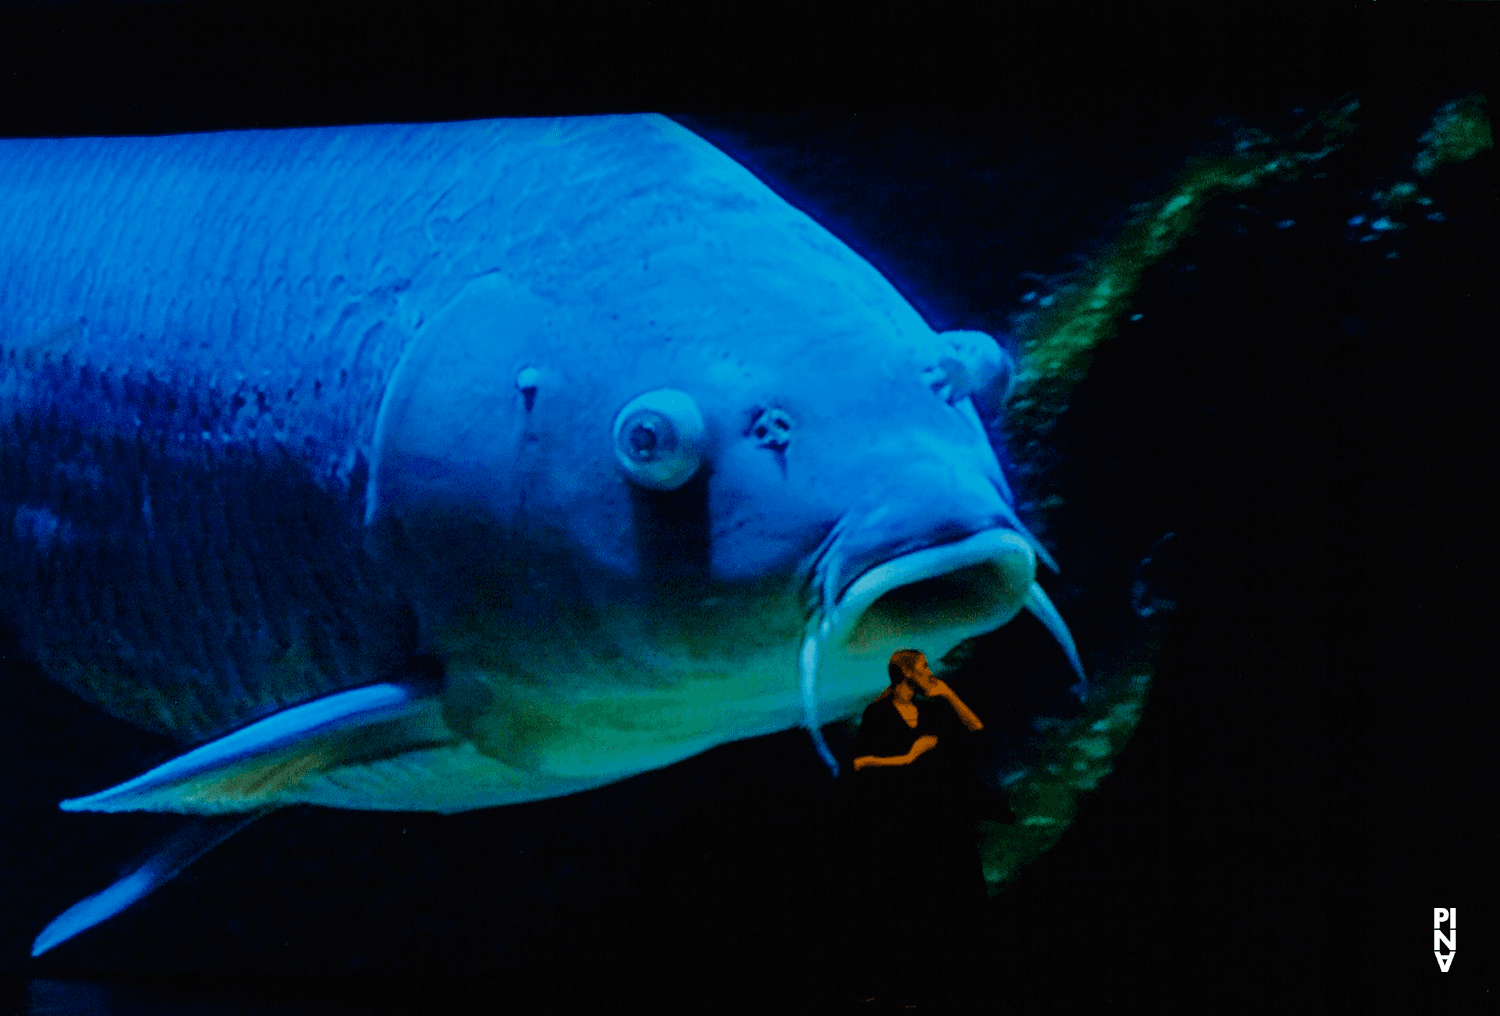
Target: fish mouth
<point x="938" y="596"/>
<point x="956" y="589"/>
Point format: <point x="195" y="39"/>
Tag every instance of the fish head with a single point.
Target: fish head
<point x="626" y="492"/>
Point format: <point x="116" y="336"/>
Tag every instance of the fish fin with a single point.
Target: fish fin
<point x="444" y="779"/>
<point x="190" y="842"/>
<point x="252" y="767"/>
<point x="1037" y="602"/>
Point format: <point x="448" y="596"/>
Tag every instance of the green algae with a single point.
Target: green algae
<point x="1460" y="130"/>
<point x="1079" y="753"/>
<point x="1057" y="339"/>
<point x="1056" y="342"/>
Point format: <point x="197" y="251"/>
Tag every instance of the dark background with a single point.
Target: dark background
<point x="1314" y="420"/>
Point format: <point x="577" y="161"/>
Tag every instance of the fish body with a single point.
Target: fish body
<point x="437" y="467"/>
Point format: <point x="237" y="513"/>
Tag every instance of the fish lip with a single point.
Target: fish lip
<point x="995" y="545"/>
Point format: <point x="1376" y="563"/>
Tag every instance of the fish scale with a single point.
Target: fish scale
<point x="221" y="560"/>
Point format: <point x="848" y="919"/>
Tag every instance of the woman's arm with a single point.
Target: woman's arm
<point x="922" y="745"/>
<point x="966" y="715"/>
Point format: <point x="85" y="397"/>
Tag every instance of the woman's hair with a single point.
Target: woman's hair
<point x="902" y="662"/>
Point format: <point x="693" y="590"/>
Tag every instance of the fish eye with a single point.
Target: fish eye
<point x="772" y="429"/>
<point x="659" y="438"/>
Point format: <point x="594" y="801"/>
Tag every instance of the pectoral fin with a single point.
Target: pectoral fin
<point x="182" y="848"/>
<point x="255" y="766"/>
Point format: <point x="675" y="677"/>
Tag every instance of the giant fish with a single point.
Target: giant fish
<point x="447" y="466"/>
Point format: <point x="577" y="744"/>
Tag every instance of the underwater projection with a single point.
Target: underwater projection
<point x="451" y="466"/>
<point x="440" y="467"/>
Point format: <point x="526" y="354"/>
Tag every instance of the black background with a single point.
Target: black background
<point x="1313" y="419"/>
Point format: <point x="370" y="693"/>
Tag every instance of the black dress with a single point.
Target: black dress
<point x="918" y="819"/>
<point x="917" y="870"/>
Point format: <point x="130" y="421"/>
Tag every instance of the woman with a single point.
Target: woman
<point x="916" y="803"/>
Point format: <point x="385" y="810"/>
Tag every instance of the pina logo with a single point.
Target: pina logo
<point x="1445" y="939"/>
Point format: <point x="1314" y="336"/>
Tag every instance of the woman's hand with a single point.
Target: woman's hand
<point x="923" y="744"/>
<point x="937" y="689"/>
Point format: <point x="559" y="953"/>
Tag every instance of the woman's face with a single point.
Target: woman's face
<point x="920" y="677"/>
